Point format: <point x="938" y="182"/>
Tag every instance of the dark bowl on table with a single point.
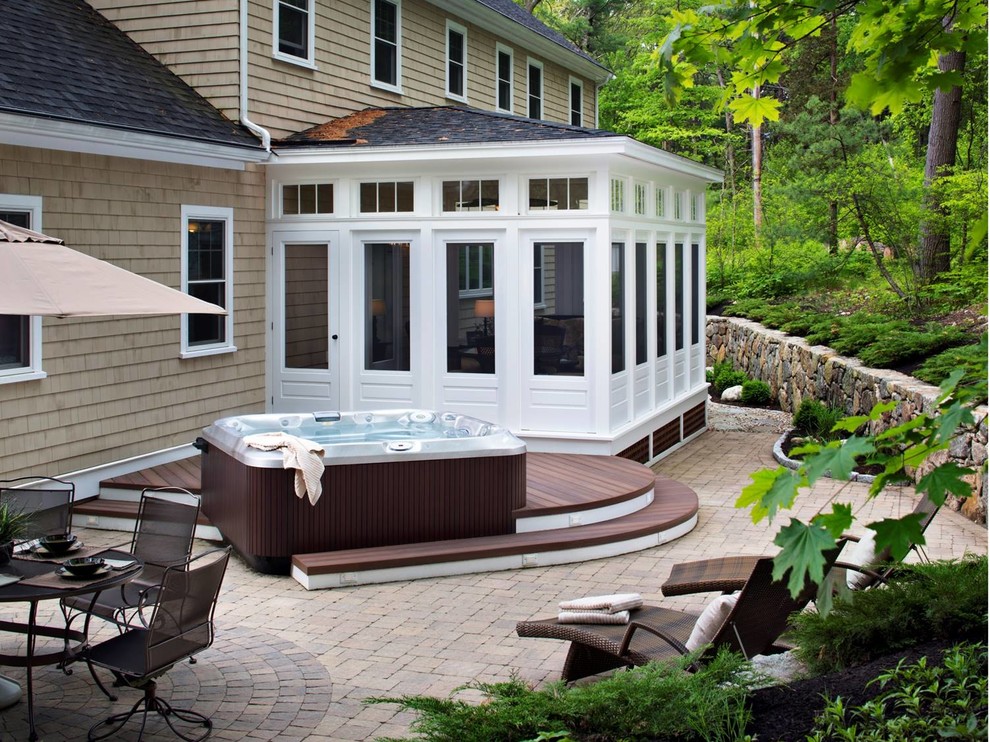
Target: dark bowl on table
<point x="58" y="543"/>
<point x="83" y="566"/>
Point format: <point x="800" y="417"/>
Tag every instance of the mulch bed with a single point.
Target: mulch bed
<point x="786" y="713"/>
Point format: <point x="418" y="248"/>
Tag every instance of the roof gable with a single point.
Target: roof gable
<point x="60" y="59"/>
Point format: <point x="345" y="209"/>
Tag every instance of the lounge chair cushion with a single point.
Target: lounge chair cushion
<point x="710" y="621"/>
<point x="593" y="617"/>
<point x="863" y="554"/>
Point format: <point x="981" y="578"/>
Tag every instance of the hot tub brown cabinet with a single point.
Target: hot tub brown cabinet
<point x="366" y="504"/>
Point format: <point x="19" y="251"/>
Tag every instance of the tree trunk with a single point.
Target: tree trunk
<point x="833" y="120"/>
<point x="934" y="256"/>
<point x="757" y="145"/>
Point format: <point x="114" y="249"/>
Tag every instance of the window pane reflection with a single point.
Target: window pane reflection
<point x="558" y="323"/>
<point x="386" y="313"/>
<point x="471" y="321"/>
<point x="306" y="304"/>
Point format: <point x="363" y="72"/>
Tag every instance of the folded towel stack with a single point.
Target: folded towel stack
<point x="599" y="609"/>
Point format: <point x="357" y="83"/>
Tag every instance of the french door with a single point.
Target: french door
<point x="306" y="357"/>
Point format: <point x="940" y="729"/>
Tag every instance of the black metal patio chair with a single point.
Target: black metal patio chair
<point x="181" y="625"/>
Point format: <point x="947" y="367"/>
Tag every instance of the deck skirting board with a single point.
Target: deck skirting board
<point x="582" y="517"/>
<point x="491" y="564"/>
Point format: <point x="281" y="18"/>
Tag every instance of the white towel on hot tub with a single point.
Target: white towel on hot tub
<point x="306" y="457"/>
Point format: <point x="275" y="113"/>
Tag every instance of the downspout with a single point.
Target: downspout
<point x="266" y="137"/>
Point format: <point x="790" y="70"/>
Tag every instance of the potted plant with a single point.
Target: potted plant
<point x="14" y="522"/>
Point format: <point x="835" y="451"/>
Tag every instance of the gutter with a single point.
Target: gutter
<point x="264" y="134"/>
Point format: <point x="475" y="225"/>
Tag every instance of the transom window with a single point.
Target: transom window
<point x="470" y="195"/>
<point x="207" y="274"/>
<point x="678" y="199"/>
<point x="534" y="90"/>
<point x="617" y="192"/>
<point x="661" y="202"/>
<point x="577" y="102"/>
<point x="503" y="73"/>
<point x="385" y="43"/>
<point x="639" y="198"/>
<point x="694" y="206"/>
<point x="307" y="198"/>
<point x="558" y="193"/>
<point x="386" y="197"/>
<point x="456" y="61"/>
<point x="293" y="30"/>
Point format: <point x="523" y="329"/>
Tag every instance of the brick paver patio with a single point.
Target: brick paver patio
<point x="289" y="664"/>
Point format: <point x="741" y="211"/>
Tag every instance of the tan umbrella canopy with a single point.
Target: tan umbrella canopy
<point x="41" y="276"/>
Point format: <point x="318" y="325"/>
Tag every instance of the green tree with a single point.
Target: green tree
<point x="906" y="48"/>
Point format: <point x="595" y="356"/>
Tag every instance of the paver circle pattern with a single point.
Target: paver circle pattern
<point x="250" y="683"/>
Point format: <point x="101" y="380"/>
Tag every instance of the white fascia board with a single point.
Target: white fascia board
<point x="69" y="136"/>
<point x="526" y="39"/>
<point x="598" y="146"/>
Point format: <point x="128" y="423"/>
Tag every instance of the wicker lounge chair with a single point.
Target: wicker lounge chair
<point x="755" y="623"/>
<point x="728" y="574"/>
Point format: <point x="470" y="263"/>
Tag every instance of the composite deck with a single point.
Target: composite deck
<point x="558" y="485"/>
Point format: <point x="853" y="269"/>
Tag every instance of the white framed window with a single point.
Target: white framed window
<point x="469" y="195"/>
<point x="476" y="269"/>
<point x="576" y="93"/>
<point x="617" y="195"/>
<point x="386" y="197"/>
<point x="698" y="207"/>
<point x="661" y="201"/>
<point x="639" y="199"/>
<point x="20" y="335"/>
<point x="456" y="61"/>
<point x="208" y="274"/>
<point x="692" y="206"/>
<point x="534" y="89"/>
<point x="303" y="199"/>
<point x="293" y="31"/>
<point x="504" y="87"/>
<point x="552" y="194"/>
<point x="678" y="204"/>
<point x="386" y="44"/>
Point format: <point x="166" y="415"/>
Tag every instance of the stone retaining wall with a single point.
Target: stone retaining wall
<point x="796" y="370"/>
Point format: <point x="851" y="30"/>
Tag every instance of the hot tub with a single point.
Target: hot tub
<point x="391" y="477"/>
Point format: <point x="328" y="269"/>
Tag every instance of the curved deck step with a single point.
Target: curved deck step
<point x="672" y="513"/>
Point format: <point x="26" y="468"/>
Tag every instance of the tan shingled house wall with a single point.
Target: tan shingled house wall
<point x="116" y="387"/>
<point x="199" y="41"/>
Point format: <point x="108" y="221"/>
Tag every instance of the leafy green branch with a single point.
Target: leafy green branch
<point x="899" y="450"/>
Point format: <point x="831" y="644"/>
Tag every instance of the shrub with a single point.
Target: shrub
<point x="658" y="701"/>
<point x="729" y="378"/>
<point x="922" y="701"/>
<point x="970" y="357"/>
<point x="923" y="602"/>
<point x="898" y="346"/>
<point x="755" y="392"/>
<point x="814" y="419"/>
<point x="719" y="367"/>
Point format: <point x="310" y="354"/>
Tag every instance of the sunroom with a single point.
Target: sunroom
<point x="544" y="277"/>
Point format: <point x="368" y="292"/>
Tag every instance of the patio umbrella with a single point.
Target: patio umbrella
<point x="41" y="276"/>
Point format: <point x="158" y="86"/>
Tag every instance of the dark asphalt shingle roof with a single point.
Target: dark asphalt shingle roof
<point x="384" y="127"/>
<point x="61" y="59"/>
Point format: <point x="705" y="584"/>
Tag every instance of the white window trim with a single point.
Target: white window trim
<point x="503" y="49"/>
<point x="310" y="61"/>
<point x="356" y="198"/>
<point x="570" y="103"/>
<point x="397" y="88"/>
<point x="278" y="194"/>
<point x="541" y="303"/>
<point x="33" y="371"/>
<point x="530" y="62"/>
<point x="644" y="189"/>
<point x="227" y="215"/>
<point x="524" y="193"/>
<point x="457" y="28"/>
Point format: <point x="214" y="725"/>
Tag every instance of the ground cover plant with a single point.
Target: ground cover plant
<point x="945" y="600"/>
<point x="657" y="701"/>
<point x="920" y="701"/>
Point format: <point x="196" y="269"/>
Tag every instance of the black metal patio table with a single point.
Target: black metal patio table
<point x="73" y="641"/>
